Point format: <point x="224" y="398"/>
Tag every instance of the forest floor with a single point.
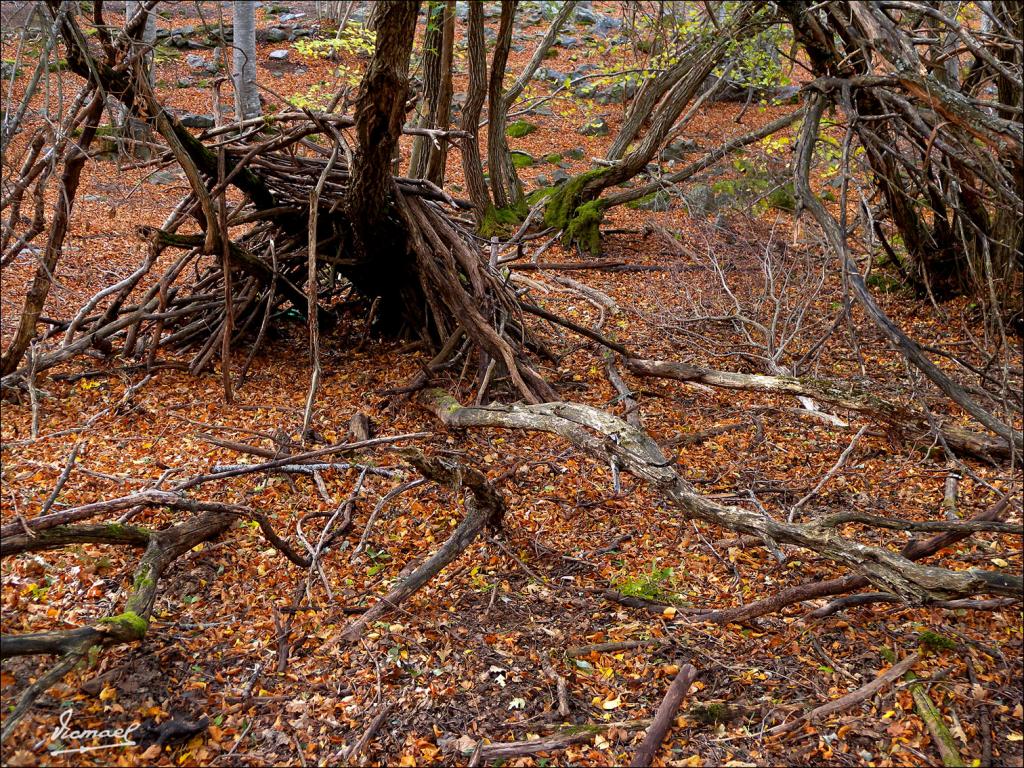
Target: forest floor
<point x="475" y="654"/>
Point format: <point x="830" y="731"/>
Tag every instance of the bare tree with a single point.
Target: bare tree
<point x="243" y="70"/>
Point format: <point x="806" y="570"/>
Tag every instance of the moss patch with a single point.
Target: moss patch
<point x="579" y="220"/>
<point x="554" y="158"/>
<point x="521" y="159"/>
<point x="128" y="622"/>
<point x="782" y="198"/>
<point x="502" y="221"/>
<point x="519" y="129"/>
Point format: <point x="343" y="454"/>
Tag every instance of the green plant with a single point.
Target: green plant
<point x="656" y="585"/>
<point x="355" y="39"/>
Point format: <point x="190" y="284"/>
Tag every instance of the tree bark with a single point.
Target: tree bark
<point x="243" y="71"/>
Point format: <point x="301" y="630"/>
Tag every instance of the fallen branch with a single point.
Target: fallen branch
<point x="663" y="718"/>
<point x="484" y="507"/>
<point x="606" y="437"/>
<point x="928" y="712"/>
<point x="853" y="698"/>
<point x="906" y="421"/>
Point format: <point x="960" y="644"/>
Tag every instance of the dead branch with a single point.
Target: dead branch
<point x="663" y="718"/>
<point x="604" y="436"/>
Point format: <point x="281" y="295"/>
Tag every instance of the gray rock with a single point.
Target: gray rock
<point x="462" y="9"/>
<point x="195" y="62"/>
<point x="552" y="75"/>
<point x="595" y="127"/>
<point x="161" y="178"/>
<point x="300" y="32"/>
<point x="567" y="41"/>
<point x="7" y="70"/>
<point x="576" y="153"/>
<point x="178" y="41"/>
<point x="185" y="82"/>
<point x="606" y="25"/>
<point x="586" y="15"/>
<point x="276" y="35"/>
<point x="677" y="150"/>
<point x="541" y="110"/>
<point x="541" y="180"/>
<point x="284" y="18"/>
<point x="701" y="199"/>
<point x="616" y="92"/>
<point x="196" y="121"/>
<point x="186" y="31"/>
<point x="279" y="55"/>
<point x="559" y="177"/>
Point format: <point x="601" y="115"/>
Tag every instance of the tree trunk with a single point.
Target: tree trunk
<point x="505" y="185"/>
<point x="427" y="152"/>
<point x="476" y="93"/>
<point x="243" y="70"/>
<point x="384" y="266"/>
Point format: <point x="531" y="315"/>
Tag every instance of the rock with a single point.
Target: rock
<point x="586" y="15"/>
<point x="276" y="35"/>
<point x="552" y="75"/>
<point x="300" y="32"/>
<point x="605" y="26"/>
<point x="517" y="48"/>
<point x="519" y="129"/>
<point x="576" y="153"/>
<point x="161" y="178"/>
<point x="7" y="70"/>
<point x="541" y="180"/>
<point x="559" y="177"/>
<point x="186" y="31"/>
<point x="594" y="127"/>
<point x="522" y="159"/>
<point x="284" y="18"/>
<point x="677" y="150"/>
<point x="178" y="41"/>
<point x="185" y="82"/>
<point x="280" y="54"/>
<point x="195" y="62"/>
<point x="567" y="41"/>
<point x="462" y="9"/>
<point x="541" y="110"/>
<point x="190" y="120"/>
<point x="701" y="199"/>
<point x="616" y="92"/>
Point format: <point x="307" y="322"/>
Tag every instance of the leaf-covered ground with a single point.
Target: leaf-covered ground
<point x="476" y="654"/>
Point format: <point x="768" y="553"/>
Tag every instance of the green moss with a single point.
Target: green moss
<point x="554" y="158"/>
<point x="710" y="714"/>
<point x="539" y="194"/>
<point x="585" y="227"/>
<point x="143" y="579"/>
<point x="933" y="641"/>
<point x="519" y="129"/>
<point x="888" y="654"/>
<point x="883" y="282"/>
<point x="579" y="220"/>
<point x="782" y="198"/>
<point x="502" y="221"/>
<point x="128" y="622"/>
<point x="521" y="159"/>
